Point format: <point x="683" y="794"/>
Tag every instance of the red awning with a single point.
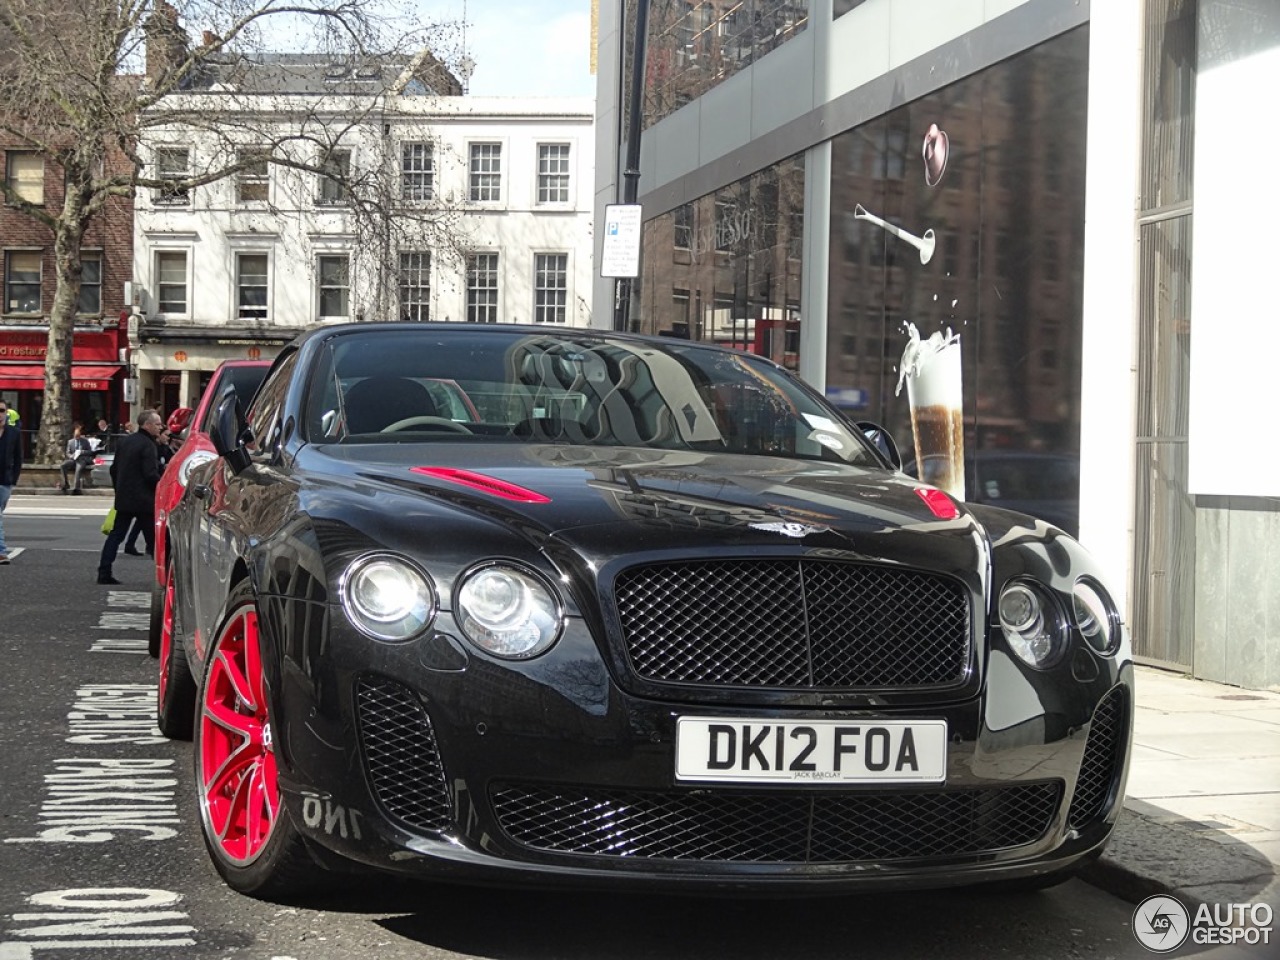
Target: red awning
<point x="30" y="376"/>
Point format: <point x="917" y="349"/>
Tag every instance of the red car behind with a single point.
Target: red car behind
<point x="195" y="449"/>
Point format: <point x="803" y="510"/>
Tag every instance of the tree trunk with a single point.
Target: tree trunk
<point x="55" y="417"/>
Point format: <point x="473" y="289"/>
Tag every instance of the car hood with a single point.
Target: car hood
<point x="587" y="498"/>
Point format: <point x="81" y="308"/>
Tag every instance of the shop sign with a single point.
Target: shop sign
<point x="86" y="347"/>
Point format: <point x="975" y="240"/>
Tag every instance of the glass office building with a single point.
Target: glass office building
<point x="824" y="183"/>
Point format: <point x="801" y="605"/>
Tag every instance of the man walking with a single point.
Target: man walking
<point x="10" y="468"/>
<point x="134" y="473"/>
<point x="165" y="454"/>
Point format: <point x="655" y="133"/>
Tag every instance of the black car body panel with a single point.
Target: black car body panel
<point x="801" y="590"/>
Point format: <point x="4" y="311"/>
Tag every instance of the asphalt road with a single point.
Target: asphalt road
<point x="100" y="853"/>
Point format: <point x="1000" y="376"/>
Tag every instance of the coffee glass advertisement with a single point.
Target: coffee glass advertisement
<point x="956" y="280"/>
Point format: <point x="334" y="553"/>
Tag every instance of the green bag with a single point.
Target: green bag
<point x="109" y="524"/>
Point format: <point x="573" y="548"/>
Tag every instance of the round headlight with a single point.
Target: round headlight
<point x="1032" y="624"/>
<point x="1096" y="616"/>
<point x="387" y="597"/>
<point x="507" y="611"/>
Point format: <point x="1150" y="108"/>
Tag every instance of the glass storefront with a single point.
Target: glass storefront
<point x="726" y="268"/>
<point x="693" y="45"/>
<point x="960" y="216"/>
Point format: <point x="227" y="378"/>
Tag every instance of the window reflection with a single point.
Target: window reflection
<point x="726" y="267"/>
<point x="694" y="45"/>
<point x="993" y="165"/>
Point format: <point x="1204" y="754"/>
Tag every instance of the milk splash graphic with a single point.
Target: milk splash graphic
<point x="931" y="370"/>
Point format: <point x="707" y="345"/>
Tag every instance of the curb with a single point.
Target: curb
<point x="1148" y="855"/>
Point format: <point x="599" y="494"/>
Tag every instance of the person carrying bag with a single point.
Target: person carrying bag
<point x="134" y="474"/>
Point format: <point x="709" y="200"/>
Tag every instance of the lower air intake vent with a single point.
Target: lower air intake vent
<point x="400" y="755"/>
<point x="773" y="828"/>
<point x="1101" y="764"/>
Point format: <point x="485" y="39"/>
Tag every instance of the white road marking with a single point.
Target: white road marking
<point x="59" y="512"/>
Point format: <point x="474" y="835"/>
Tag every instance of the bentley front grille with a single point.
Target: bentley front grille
<point x="400" y="755"/>
<point x="794" y="623"/>
<point x="710" y="826"/>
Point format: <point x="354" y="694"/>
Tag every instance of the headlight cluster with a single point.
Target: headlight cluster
<point x="1096" y="616"/>
<point x="387" y="598"/>
<point x="1032" y="622"/>
<point x="507" y="611"/>
<point x="504" y="609"/>
<point x="1036" y="627"/>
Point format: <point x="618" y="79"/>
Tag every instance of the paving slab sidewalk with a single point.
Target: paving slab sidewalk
<point x="1202" y="814"/>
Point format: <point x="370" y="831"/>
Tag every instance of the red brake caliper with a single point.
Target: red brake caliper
<point x="237" y="761"/>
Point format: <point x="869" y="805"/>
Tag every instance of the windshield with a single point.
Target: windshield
<point x="570" y="387"/>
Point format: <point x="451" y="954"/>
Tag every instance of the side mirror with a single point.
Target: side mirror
<point x="229" y="432"/>
<point x="883" y="441"/>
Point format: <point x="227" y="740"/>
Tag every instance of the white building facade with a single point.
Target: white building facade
<point x="473" y="209"/>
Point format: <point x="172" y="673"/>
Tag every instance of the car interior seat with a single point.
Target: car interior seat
<point x="377" y="402"/>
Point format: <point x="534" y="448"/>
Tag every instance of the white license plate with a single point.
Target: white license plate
<point x="811" y="751"/>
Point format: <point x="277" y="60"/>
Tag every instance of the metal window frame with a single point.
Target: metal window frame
<point x="10" y="283"/>
<point x="159" y="255"/>
<point x="417" y="171"/>
<point x="180" y="197"/>
<point x="251" y="179"/>
<point x="550" y="287"/>
<point x="484" y="171"/>
<point x="250" y="312"/>
<point x="14" y="178"/>
<point x="554" y="172"/>
<point x="321" y="286"/>
<point x="94" y="256"/>
<point x="483" y="286"/>
<point x="415" y="297"/>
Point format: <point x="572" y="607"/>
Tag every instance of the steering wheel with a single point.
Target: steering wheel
<point x="441" y="423"/>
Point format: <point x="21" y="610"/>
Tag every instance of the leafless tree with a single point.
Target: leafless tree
<point x="84" y="81"/>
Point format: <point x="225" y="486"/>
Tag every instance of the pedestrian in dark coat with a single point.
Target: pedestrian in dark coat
<point x="134" y="473"/>
<point x="165" y="452"/>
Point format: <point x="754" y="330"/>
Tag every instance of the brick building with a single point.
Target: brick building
<point x="26" y="249"/>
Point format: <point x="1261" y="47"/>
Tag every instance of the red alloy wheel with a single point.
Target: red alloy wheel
<point x="166" y="638"/>
<point x="239" y="796"/>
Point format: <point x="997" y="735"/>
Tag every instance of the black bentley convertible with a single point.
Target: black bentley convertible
<point x="513" y="604"/>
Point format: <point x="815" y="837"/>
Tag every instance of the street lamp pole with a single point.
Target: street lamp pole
<point x="631" y="170"/>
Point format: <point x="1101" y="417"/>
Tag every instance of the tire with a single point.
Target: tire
<point x="247" y="831"/>
<point x="176" y="688"/>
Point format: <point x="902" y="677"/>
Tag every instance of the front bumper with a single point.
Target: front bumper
<point x="426" y="758"/>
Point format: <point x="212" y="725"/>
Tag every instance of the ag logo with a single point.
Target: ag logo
<point x="1161" y="923"/>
